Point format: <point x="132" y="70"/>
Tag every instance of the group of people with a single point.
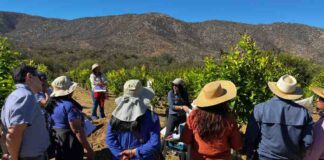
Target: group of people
<point x="33" y="119"/>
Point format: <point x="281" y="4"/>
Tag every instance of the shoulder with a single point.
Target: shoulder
<point x="92" y="75"/>
<point x="151" y="115"/>
<point x="68" y="105"/>
<point x="170" y="93"/>
<point x="21" y="96"/>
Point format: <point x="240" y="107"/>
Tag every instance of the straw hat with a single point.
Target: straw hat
<point x="216" y="92"/>
<point x="178" y="81"/>
<point x="286" y="88"/>
<point x="134" y="102"/>
<point x="318" y="91"/>
<point x="62" y="86"/>
<point x="94" y="66"/>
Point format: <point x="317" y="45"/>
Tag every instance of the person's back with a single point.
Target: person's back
<point x="279" y="128"/>
<point x="284" y="132"/>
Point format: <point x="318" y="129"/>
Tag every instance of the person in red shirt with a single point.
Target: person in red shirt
<point x="211" y="129"/>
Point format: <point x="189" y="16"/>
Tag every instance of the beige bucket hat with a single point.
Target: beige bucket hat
<point x="62" y="86"/>
<point x="134" y="102"/>
<point x="318" y="91"/>
<point x="286" y="88"/>
<point x="94" y="66"/>
<point x="214" y="93"/>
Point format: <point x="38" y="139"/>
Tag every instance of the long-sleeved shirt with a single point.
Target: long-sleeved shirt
<point x="147" y="141"/>
<point x="316" y="151"/>
<point x="95" y="80"/>
<point x="176" y="100"/>
<point x="280" y="129"/>
<point x="217" y="148"/>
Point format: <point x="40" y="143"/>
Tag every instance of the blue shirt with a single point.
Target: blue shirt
<point x="64" y="112"/>
<point x="175" y="100"/>
<point x="281" y="129"/>
<point x="21" y="107"/>
<point x="146" y="144"/>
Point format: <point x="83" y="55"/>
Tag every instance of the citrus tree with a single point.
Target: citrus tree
<point x="8" y="60"/>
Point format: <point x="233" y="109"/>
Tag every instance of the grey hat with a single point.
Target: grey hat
<point x="63" y="86"/>
<point x="178" y="81"/>
<point x="134" y="102"/>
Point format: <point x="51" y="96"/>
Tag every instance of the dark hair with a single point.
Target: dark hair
<point x="121" y="126"/>
<point x="21" y="71"/>
<point x="182" y="90"/>
<point x="211" y="122"/>
<point x="51" y="103"/>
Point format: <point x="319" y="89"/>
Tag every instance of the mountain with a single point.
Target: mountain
<point x="116" y="39"/>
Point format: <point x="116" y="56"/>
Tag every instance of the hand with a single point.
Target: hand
<point x="124" y="157"/>
<point x="186" y="109"/>
<point x="90" y="154"/>
<point x="129" y="153"/>
<point x="6" y="157"/>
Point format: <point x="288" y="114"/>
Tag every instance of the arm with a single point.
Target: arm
<point x="316" y="149"/>
<point x="77" y="129"/>
<point x="251" y="137"/>
<point x="187" y="134"/>
<point x="171" y="105"/>
<point x="153" y="144"/>
<point x="14" y="139"/>
<point x="235" y="137"/>
<point x="75" y="121"/>
<point x="112" y="142"/>
<point x="42" y="102"/>
<point x="19" y="119"/>
<point x="307" y="133"/>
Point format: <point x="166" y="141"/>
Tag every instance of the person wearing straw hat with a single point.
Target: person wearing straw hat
<point x="67" y="121"/>
<point x="279" y="127"/>
<point x="211" y="129"/>
<point x="133" y="131"/>
<point x="316" y="151"/>
<point x="98" y="89"/>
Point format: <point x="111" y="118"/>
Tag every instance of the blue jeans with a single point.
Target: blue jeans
<point x="95" y="105"/>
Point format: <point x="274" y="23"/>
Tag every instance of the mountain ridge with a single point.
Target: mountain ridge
<point x="151" y="35"/>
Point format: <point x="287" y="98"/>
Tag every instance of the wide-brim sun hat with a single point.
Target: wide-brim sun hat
<point x="215" y="92"/>
<point x="134" y="102"/>
<point x="318" y="91"/>
<point x="94" y="66"/>
<point x="63" y="86"/>
<point x="286" y="88"/>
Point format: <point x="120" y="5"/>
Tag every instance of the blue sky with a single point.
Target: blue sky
<point x="309" y="12"/>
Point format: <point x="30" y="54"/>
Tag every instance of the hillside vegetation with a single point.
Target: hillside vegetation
<point x="154" y="40"/>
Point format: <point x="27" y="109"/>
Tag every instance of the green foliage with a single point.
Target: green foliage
<point x="8" y="60"/>
<point x="117" y="78"/>
<point x="318" y="79"/>
<point x="82" y="73"/>
<point x="250" y="69"/>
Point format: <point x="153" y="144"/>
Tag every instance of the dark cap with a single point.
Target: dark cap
<point x="42" y="76"/>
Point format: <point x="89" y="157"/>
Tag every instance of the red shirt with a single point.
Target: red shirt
<point x="217" y="148"/>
